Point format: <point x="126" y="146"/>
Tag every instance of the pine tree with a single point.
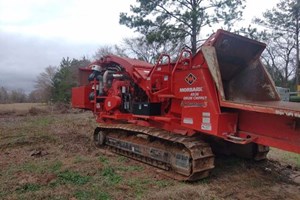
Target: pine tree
<point x="61" y="82"/>
<point x="175" y="20"/>
<point x="65" y="78"/>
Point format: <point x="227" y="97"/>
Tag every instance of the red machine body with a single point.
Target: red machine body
<point x="223" y="91"/>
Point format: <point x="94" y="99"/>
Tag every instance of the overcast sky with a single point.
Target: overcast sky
<point x="37" y="33"/>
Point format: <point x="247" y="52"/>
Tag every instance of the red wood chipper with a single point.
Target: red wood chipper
<point x="176" y="115"/>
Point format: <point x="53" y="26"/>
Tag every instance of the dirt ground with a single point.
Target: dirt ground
<point x="51" y="156"/>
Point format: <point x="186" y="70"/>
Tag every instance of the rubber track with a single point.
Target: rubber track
<point x="200" y="151"/>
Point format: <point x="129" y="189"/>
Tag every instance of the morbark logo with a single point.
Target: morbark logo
<point x="190" y="79"/>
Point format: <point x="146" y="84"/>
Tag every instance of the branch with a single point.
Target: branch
<point x="185" y="4"/>
<point x="172" y="15"/>
<point x="272" y="59"/>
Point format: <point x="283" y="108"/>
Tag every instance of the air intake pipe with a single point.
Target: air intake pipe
<point x="107" y="78"/>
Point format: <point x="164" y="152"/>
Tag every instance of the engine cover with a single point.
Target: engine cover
<point x="112" y="103"/>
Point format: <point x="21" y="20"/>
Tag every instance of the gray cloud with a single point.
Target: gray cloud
<point x="22" y="58"/>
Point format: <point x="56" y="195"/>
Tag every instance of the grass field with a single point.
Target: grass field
<point x="52" y="156"/>
<point x="21" y="108"/>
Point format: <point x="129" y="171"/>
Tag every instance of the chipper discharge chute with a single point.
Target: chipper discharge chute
<point x="174" y="116"/>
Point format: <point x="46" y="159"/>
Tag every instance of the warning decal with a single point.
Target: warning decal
<point x="190" y="79"/>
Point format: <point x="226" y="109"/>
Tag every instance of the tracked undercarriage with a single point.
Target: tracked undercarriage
<point x="181" y="157"/>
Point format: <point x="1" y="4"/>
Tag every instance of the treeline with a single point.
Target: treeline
<point x="14" y="96"/>
<point x="52" y="85"/>
<point x="18" y="96"/>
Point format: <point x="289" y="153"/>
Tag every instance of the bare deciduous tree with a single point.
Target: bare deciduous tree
<point x="44" y="83"/>
<point x="4" y="96"/>
<point x="17" y="96"/>
<point x="141" y="49"/>
<point x="109" y="50"/>
<point x="279" y="58"/>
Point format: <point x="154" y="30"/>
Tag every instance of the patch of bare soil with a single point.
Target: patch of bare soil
<point x="253" y="180"/>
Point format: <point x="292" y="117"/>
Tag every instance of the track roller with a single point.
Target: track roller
<point x="99" y="137"/>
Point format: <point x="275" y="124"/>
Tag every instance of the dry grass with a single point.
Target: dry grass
<point x="51" y="156"/>
<point x="20" y="109"/>
<point x="184" y="191"/>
